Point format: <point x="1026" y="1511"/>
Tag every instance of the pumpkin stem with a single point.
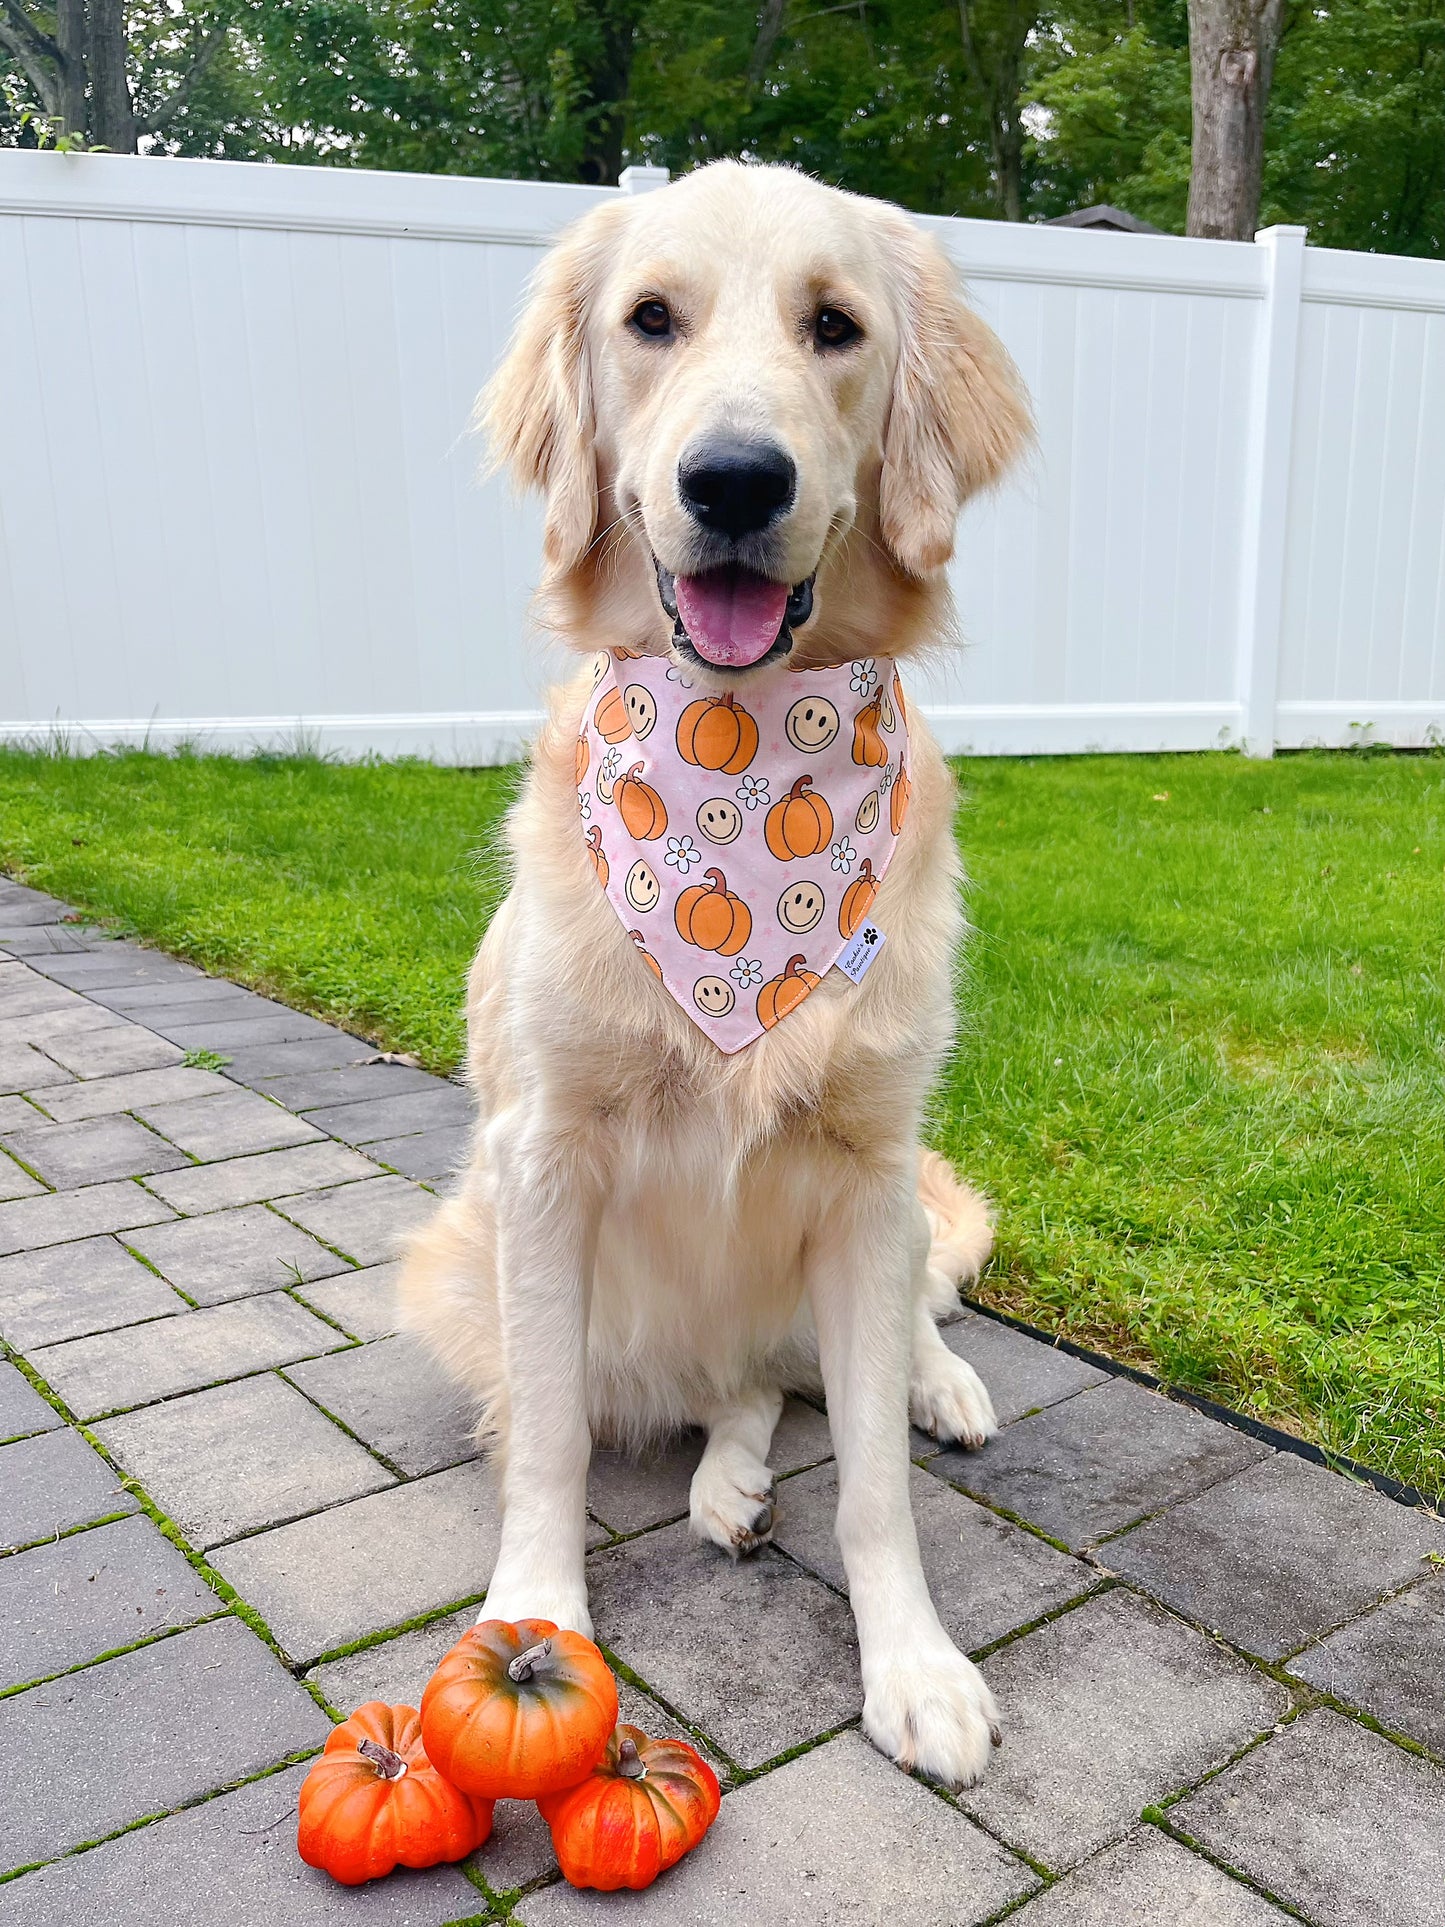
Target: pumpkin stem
<point x="790" y="968"/>
<point x="716" y="879"/>
<point x="865" y="868"/>
<point x="629" y="1761"/>
<point x="525" y="1664"/>
<point x="726" y="699"/>
<point x="803" y="783"/>
<point x="633" y="774"/>
<point x="391" y="1766"/>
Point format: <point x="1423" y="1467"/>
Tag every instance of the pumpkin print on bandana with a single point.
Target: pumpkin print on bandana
<point x="741" y="837"/>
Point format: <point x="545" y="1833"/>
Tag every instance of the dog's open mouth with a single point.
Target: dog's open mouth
<point x="733" y="618"/>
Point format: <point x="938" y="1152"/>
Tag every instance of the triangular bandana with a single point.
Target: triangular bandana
<point x="742" y="839"/>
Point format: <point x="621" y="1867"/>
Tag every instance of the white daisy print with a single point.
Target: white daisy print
<point x="865" y="677"/>
<point x="682" y="852"/>
<point x="747" y="973"/>
<point x="887" y="779"/>
<point x="611" y="762"/>
<point x="844" y="855"/>
<point x="752" y="791"/>
<point x="674" y="674"/>
<point x="584" y="805"/>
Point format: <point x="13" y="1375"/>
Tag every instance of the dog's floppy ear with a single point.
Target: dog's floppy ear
<point x="537" y="409"/>
<point x="959" y="415"/>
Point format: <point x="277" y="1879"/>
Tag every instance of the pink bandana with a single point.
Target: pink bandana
<point x="742" y="839"/>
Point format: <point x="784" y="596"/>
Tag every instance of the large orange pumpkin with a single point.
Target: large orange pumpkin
<point x="612" y="719"/>
<point x="899" y="797"/>
<point x="643" y="1806"/>
<point x="643" y="810"/>
<point x="712" y="917"/>
<point x="646" y="955"/>
<point x="798" y="824"/>
<point x="714" y="733"/>
<point x="783" y="994"/>
<point x="597" y="853"/>
<point x="515" y="1712"/>
<point x="869" y="747"/>
<point x="857" y="899"/>
<point x="374" y="1801"/>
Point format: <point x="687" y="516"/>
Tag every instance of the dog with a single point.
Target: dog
<point x="753" y="406"/>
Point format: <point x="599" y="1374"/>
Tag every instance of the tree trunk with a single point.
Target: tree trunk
<point x="112" y="111"/>
<point x="1232" y="45"/>
<point x="606" y="91"/>
<point x="70" y="39"/>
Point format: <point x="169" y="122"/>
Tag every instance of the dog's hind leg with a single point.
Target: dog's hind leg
<point x="951" y="1239"/>
<point x="732" y="1488"/>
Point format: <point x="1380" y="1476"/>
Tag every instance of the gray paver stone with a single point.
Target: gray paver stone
<point x="1149" y="1880"/>
<point x="114" y="1370"/>
<point x="23" y="906"/>
<point x="232" y="1254"/>
<point x="15" y="1182"/>
<point x="1334" y="1820"/>
<point x="837" y="1838"/>
<point x="107" y="1052"/>
<point x="629" y="1491"/>
<point x="23" y="992"/>
<point x="987" y="1577"/>
<point x="428" y="1157"/>
<point x="350" y="1084"/>
<point x="233" y="1033"/>
<point x="67" y="1290"/>
<point x="368" y="1222"/>
<point x="22" y="1409"/>
<point x="36" y="941"/>
<point x="376" y="1563"/>
<point x="1278" y="1554"/>
<point x="117" y="963"/>
<point x="138" y="999"/>
<point x="230" y="1862"/>
<point x="253" y="1180"/>
<point x="397" y="1400"/>
<point x="216" y="1706"/>
<point x="16" y="1114"/>
<point x="62" y="1216"/>
<point x="69" y="1025"/>
<point x="1389" y="1663"/>
<point x="65" y="1603"/>
<point x="23" y="1068"/>
<point x="1111" y="1707"/>
<point x="257" y="1064"/>
<point x="237" y="1457"/>
<point x="399" y="1115"/>
<point x="68" y="1155"/>
<point x="230" y="1124"/>
<point x="395" y="1671"/>
<point x="100" y="1096"/>
<point x="1022" y="1374"/>
<point x="1092" y="1464"/>
<point x="754" y="1652"/>
<point x="361" y="1302"/>
<point x="51" y="1483"/>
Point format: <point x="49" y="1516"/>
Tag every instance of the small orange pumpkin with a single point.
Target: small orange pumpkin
<point x="643" y="1806"/>
<point x="857" y="899"/>
<point x="643" y="810"/>
<point x="899" y="797"/>
<point x="374" y="1801"/>
<point x="869" y="747"/>
<point x="714" y="733"/>
<point x="781" y="995"/>
<point x="515" y="1712"/>
<point x="597" y="853"/>
<point x="798" y="824"/>
<point x="646" y="955"/>
<point x="611" y="718"/>
<point x="584" y="757"/>
<point x="712" y="917"/>
<point x="899" y="703"/>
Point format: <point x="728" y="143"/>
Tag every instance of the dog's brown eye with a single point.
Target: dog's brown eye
<point x="834" y="329"/>
<point x="652" y="318"/>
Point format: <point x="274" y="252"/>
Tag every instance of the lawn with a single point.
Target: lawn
<point x="1202" y="1067"/>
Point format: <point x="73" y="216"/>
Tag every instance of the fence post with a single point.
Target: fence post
<point x="642" y="180"/>
<point x="1266" y="486"/>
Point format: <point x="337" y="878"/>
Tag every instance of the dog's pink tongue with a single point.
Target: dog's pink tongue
<point x="732" y="616"/>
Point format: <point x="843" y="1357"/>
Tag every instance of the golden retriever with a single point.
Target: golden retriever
<point x="653" y="1234"/>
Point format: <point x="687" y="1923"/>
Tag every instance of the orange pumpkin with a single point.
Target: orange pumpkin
<point x="515" y="1712"/>
<point x="783" y="994"/>
<point x="869" y="747"/>
<point x="643" y="1806"/>
<point x="899" y="797"/>
<point x="899" y="703"/>
<point x="857" y="899"/>
<point x="714" y="733"/>
<point x="374" y="1801"/>
<point x="798" y="824"/>
<point x="611" y="718"/>
<point x="643" y="810"/>
<point x="713" y="918"/>
<point x="584" y="757"/>
<point x="646" y="955"/>
<point x="597" y="853"/>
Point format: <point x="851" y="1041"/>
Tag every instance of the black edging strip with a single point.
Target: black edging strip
<point x="1407" y="1495"/>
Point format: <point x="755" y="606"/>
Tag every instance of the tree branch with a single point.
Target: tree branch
<point x="26" y="30"/>
<point x="32" y="49"/>
<point x="177" y="98"/>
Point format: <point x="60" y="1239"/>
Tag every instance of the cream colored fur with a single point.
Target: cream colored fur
<point x="651" y="1234"/>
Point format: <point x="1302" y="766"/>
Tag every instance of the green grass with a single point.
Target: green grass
<point x="1203" y="1063"/>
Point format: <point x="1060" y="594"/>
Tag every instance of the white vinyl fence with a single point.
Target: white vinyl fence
<point x="238" y="502"/>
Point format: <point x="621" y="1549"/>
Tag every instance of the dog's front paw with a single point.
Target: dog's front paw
<point x="928" y="1708"/>
<point x="732" y="1500"/>
<point x="949" y="1400"/>
<point x="564" y="1606"/>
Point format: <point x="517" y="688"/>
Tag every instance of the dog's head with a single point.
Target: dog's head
<point x="754" y="405"/>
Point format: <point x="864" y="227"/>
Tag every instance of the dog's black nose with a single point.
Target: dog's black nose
<point x="736" y="486"/>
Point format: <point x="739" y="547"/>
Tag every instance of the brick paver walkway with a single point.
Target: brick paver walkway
<point x="242" y="1507"/>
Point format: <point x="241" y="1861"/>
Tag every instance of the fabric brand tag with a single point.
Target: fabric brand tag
<point x="855" y="960"/>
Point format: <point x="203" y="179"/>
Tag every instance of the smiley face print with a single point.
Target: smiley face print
<point x="714" y="996"/>
<point x="800" y="907"/>
<point x="866" y="821"/>
<point x="812" y="724"/>
<point x="719" y="819"/>
<point x="641" y="709"/>
<point x="642" y="888"/>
